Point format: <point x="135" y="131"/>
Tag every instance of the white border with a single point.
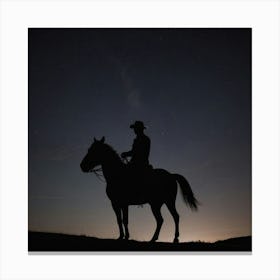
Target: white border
<point x="17" y="16"/>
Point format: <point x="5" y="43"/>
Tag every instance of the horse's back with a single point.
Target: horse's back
<point x="147" y="186"/>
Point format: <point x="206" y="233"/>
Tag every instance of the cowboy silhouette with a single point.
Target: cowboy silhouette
<point x="140" y="149"/>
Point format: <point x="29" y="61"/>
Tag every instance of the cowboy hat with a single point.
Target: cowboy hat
<point x="138" y="124"/>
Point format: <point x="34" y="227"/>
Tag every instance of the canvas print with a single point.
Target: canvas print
<point x="139" y="139"/>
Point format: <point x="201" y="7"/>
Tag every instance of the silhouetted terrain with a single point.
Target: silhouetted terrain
<point x="40" y="241"/>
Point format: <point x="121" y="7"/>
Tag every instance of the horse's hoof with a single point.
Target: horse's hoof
<point x="153" y="240"/>
<point x="120" y="238"/>
<point x="176" y="240"/>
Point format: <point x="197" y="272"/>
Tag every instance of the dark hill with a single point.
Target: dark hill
<point x="55" y="242"/>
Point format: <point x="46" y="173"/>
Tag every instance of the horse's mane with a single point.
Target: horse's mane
<point x="113" y="152"/>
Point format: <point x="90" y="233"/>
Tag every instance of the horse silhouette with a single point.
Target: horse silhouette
<point x="126" y="187"/>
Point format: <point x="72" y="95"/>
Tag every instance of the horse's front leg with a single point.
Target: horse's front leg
<point x="159" y="219"/>
<point x="125" y="221"/>
<point x="118" y="213"/>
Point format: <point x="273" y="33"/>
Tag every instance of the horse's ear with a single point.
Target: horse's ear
<point x="102" y="139"/>
<point x="94" y="139"/>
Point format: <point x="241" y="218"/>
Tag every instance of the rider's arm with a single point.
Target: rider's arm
<point x="127" y="154"/>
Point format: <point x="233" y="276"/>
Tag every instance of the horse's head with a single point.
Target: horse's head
<point x="94" y="155"/>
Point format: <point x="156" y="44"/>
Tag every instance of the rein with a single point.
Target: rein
<point x="98" y="173"/>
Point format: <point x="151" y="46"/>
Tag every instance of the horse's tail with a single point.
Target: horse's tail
<point x="187" y="192"/>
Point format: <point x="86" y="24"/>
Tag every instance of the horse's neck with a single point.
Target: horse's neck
<point x="112" y="168"/>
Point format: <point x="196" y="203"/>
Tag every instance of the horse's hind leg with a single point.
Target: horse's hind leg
<point x="125" y="221"/>
<point x="118" y="213"/>
<point x="159" y="219"/>
<point x="171" y="207"/>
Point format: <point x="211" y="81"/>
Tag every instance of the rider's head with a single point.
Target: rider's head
<point x="138" y="127"/>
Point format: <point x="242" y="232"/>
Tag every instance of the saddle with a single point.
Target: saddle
<point x="139" y="172"/>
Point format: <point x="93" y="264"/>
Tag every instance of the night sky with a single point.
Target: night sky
<point x="191" y="88"/>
